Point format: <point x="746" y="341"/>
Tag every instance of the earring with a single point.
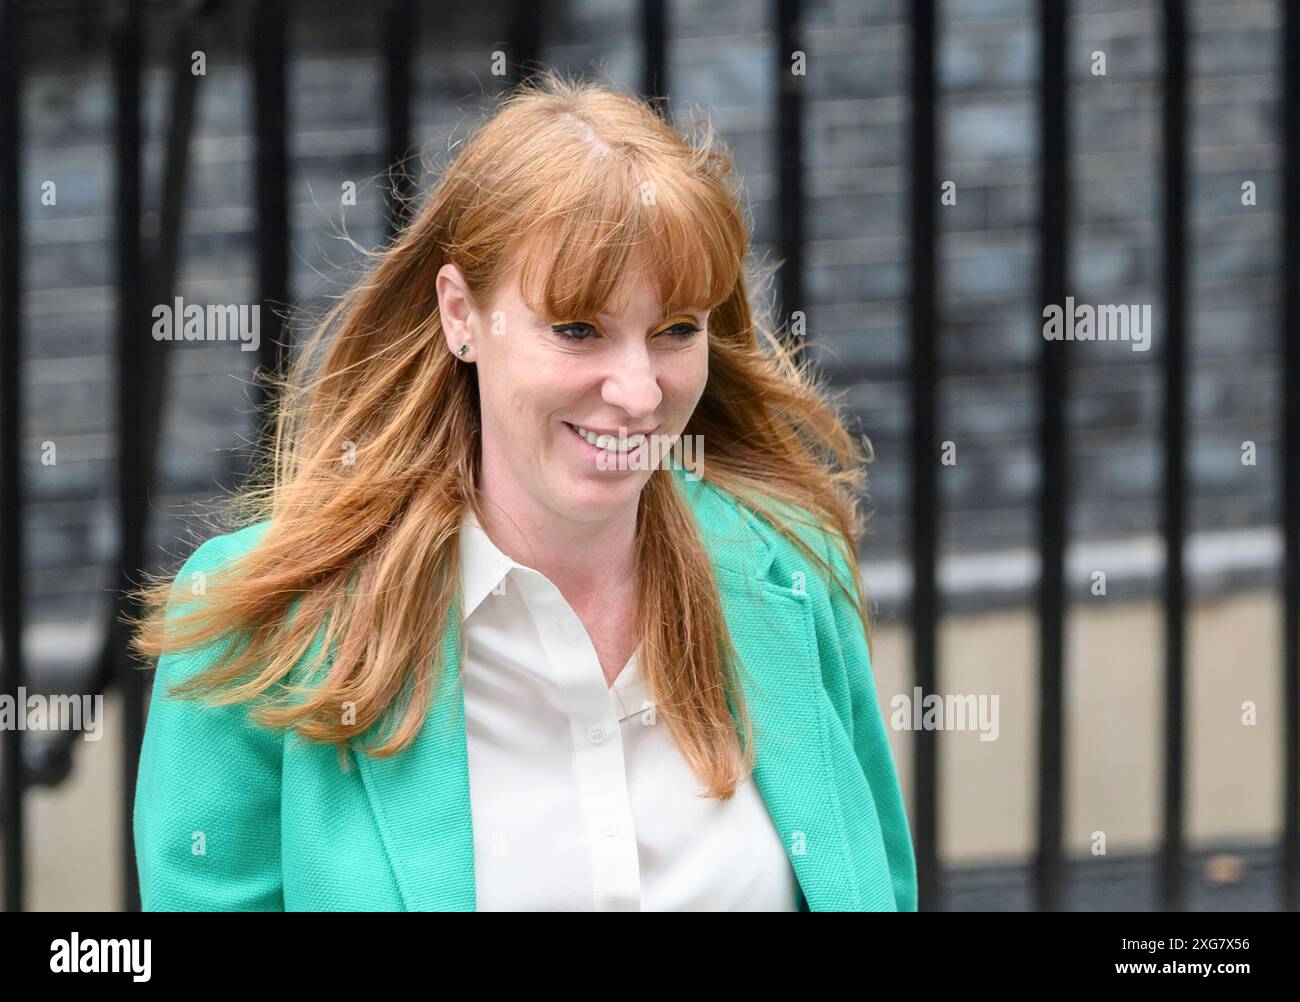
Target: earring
<point x="463" y="348"/>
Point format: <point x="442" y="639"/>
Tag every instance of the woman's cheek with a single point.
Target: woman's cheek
<point x="692" y="381"/>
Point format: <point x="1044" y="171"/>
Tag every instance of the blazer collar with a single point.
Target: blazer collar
<point x="429" y="838"/>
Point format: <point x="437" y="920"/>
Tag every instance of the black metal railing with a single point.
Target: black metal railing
<point x="146" y="272"/>
<point x="924" y="373"/>
<point x="1173" y="894"/>
<point x="11" y="487"/>
<point x="1290" y="337"/>
<point x="1053" y="452"/>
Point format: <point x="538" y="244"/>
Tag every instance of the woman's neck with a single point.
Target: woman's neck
<point x="585" y="560"/>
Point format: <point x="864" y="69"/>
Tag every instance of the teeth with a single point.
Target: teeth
<point x="609" y="442"/>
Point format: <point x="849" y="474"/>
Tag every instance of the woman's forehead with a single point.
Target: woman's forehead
<point x="563" y="277"/>
<point x="631" y="287"/>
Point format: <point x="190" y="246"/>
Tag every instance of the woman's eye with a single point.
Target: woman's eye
<point x="575" y="331"/>
<point x="565" y="331"/>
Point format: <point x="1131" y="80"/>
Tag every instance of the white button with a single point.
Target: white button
<point x="596" y="734"/>
<point x="611" y="830"/>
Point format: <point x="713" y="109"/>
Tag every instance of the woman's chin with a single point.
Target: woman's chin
<point x="594" y="494"/>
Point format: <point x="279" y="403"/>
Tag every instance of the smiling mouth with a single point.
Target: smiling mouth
<point x="609" y="443"/>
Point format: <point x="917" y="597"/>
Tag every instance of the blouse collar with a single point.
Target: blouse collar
<point x="482" y="565"/>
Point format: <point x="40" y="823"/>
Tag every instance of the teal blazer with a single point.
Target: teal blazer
<point x="231" y="816"/>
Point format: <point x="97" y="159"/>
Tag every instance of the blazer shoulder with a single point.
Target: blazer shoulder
<point x="735" y="540"/>
<point x="189" y="585"/>
<point x="742" y="538"/>
<point x="788" y="561"/>
<point x="221" y="549"/>
<point x="247" y="537"/>
<point x="208" y="771"/>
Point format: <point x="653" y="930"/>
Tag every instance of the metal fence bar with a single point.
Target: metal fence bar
<point x="789" y="161"/>
<point x="140" y="444"/>
<point x="924" y="377"/>
<point x="11" y="497"/>
<point x="654" y="46"/>
<point x="1172" y="892"/>
<point x="270" y="56"/>
<point x="1290" y="333"/>
<point x="525" y="38"/>
<point x="1053" y="509"/>
<point x="401" y="26"/>
<point x="132" y="348"/>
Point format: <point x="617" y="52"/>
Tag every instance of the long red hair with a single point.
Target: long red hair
<point x="362" y="556"/>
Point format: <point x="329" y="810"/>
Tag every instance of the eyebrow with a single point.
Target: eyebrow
<point x="665" y="318"/>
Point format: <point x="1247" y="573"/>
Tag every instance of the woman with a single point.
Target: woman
<point x="486" y="642"/>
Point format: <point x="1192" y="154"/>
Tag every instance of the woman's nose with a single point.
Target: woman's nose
<point x="632" y="385"/>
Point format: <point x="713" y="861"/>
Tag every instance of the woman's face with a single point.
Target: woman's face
<point x="628" y="372"/>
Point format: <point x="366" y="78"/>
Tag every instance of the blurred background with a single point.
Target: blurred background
<point x="1103" y="543"/>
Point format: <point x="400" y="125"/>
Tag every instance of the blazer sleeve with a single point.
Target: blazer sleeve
<point x="207" y="800"/>
<point x="871" y="741"/>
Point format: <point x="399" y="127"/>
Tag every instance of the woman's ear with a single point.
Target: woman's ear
<point x="455" y="310"/>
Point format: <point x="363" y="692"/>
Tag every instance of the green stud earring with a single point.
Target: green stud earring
<point x="463" y="348"/>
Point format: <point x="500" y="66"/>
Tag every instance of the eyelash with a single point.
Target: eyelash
<point x="559" y="329"/>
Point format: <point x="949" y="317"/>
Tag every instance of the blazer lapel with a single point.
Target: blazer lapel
<point x="775" y="637"/>
<point x="421" y="799"/>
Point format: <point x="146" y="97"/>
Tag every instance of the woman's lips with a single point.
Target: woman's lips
<point x="614" y="432"/>
<point x="596" y="450"/>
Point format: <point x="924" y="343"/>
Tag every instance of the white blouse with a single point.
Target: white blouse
<point x="580" y="797"/>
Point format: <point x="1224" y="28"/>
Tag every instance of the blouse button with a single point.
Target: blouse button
<point x="611" y="830"/>
<point x="596" y="734"/>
